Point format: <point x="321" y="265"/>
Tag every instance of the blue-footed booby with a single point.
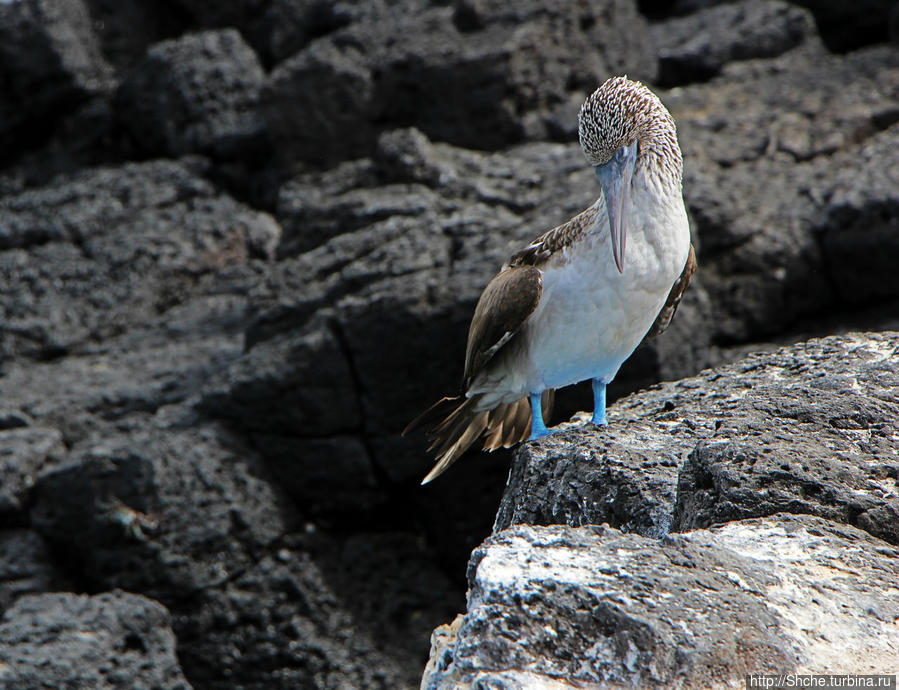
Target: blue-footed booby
<point x="573" y="305"/>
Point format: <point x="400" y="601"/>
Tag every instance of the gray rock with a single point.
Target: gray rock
<point x="195" y="94"/>
<point x="111" y="640"/>
<point x="843" y="26"/>
<point x="681" y="7"/>
<point x="167" y="504"/>
<point x="508" y="68"/>
<point x="154" y="367"/>
<point x="279" y="624"/>
<point x="230" y="13"/>
<point x="283" y="29"/>
<point x="407" y="155"/>
<point x="13" y="419"/>
<point x="24" y="453"/>
<point x="832" y="595"/>
<point x="26" y="567"/>
<point x="108" y="249"/>
<point x="766" y="177"/>
<point x="568" y="606"/>
<point x="847" y="26"/>
<point x="805" y="429"/>
<point x="858" y="237"/>
<point x="327" y="476"/>
<point x="624" y="475"/>
<point x="289" y="384"/>
<point x="813" y="432"/>
<point x="781" y="123"/>
<point x="287" y="26"/>
<point x="363" y="573"/>
<point x="49" y="61"/>
<point x="126" y="28"/>
<point x="158" y="510"/>
<point x="329" y="88"/>
<point x="311" y="217"/>
<point x="695" y="47"/>
<point x="84" y="136"/>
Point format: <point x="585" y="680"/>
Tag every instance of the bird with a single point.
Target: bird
<point x="573" y="304"/>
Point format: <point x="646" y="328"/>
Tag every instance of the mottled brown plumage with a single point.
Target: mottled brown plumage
<point x="561" y="236"/>
<point x="509" y="299"/>
<point x="548" y="319"/>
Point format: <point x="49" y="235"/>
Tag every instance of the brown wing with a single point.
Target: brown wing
<point x="506" y="303"/>
<point x="674" y="297"/>
<point x="512" y="295"/>
<point x="559" y="237"/>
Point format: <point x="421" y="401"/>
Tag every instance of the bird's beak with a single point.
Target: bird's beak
<point x="615" y="179"/>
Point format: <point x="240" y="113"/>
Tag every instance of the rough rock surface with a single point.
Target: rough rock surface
<point x="625" y="476"/>
<point x="126" y="28"/>
<point x="781" y="473"/>
<point x="696" y="47"/>
<point x="195" y="94"/>
<point x="843" y="26"/>
<point x="49" y="60"/>
<point x="26" y="567"/>
<point x="91" y="256"/>
<point x="125" y="508"/>
<point x="478" y="75"/>
<point x="205" y="361"/>
<point x="805" y="429"/>
<point x="286" y="26"/>
<point x="110" y="640"/>
<point x="768" y="185"/>
<point x="784" y="594"/>
<point x="846" y="26"/>
<point x="25" y="452"/>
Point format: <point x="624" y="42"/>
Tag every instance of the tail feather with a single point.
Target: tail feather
<point x="433" y="413"/>
<point x="520" y="426"/>
<point x="455" y="446"/>
<point x="452" y="427"/>
<point x="502" y="427"/>
<point x="444" y="438"/>
<point x="497" y="426"/>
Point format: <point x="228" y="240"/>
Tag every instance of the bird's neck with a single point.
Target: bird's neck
<point x="657" y="179"/>
<point x="659" y="157"/>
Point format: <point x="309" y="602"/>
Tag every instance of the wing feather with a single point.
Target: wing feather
<point x="561" y="236"/>
<point x="506" y="303"/>
<point x="663" y="320"/>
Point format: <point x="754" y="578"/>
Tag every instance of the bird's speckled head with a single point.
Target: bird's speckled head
<point x="620" y="113"/>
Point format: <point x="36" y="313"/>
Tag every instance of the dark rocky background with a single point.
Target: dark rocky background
<point x="240" y="243"/>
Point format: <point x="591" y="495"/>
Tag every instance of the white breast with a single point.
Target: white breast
<point x="591" y="317"/>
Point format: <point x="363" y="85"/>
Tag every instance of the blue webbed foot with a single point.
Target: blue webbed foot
<point x="599" y="403"/>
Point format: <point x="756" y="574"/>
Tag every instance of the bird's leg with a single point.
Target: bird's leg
<point x="538" y="426"/>
<point x="599" y="402"/>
